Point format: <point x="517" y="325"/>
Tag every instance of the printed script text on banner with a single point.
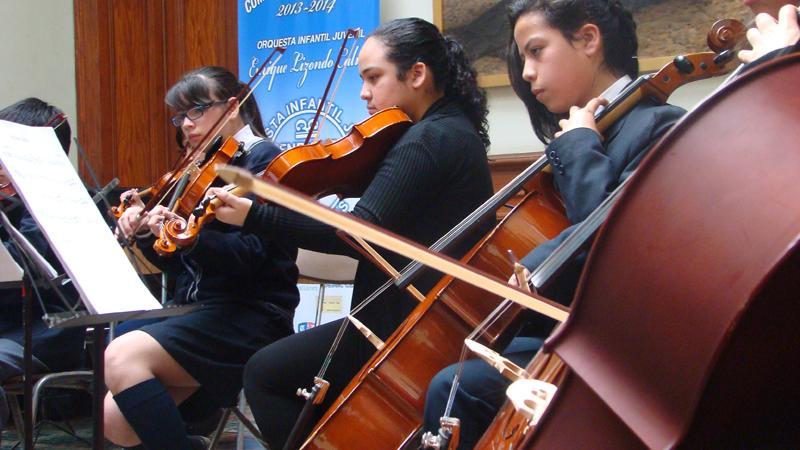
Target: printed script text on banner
<point x="312" y="32"/>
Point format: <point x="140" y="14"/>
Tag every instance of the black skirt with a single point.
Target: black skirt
<point x="214" y="342"/>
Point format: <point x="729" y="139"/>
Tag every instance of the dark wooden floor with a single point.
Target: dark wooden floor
<point x="77" y="434"/>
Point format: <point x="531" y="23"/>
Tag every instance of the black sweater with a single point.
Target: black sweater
<point x="227" y="264"/>
<point x="433" y="176"/>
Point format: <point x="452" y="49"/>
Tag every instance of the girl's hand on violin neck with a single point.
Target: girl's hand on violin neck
<point x="156" y="218"/>
<point x="771" y="34"/>
<point x="233" y="209"/>
<point x="129" y="222"/>
<point x="582" y="117"/>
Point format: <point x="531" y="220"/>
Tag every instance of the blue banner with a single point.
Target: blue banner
<point x="312" y="32"/>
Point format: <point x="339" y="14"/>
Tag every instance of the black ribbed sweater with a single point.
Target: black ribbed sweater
<point x="434" y="176"/>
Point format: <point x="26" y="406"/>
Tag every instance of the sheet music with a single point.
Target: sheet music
<point x="58" y="201"/>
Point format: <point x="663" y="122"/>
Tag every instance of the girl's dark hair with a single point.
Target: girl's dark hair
<point x="35" y="112"/>
<point x="414" y="40"/>
<point x="617" y="29"/>
<point x="213" y="83"/>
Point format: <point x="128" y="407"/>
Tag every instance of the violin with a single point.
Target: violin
<point x="159" y="186"/>
<point x="178" y="233"/>
<point x="7" y="194"/>
<point x="194" y="157"/>
<point x="344" y="167"/>
<point x="8" y="190"/>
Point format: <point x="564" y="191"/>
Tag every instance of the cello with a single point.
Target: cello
<point x="695" y="345"/>
<point x="392" y="385"/>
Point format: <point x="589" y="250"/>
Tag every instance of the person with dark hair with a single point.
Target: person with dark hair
<point x="566" y="60"/>
<point x="243" y="283"/>
<point x="54" y="349"/>
<point x="431" y="178"/>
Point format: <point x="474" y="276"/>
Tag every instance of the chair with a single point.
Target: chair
<point x="314" y="267"/>
<point x="14" y="387"/>
<point x="244" y="422"/>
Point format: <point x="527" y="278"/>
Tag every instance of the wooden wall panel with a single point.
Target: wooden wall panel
<point x="128" y="53"/>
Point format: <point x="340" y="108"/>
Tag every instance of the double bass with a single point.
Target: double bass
<point x="695" y="346"/>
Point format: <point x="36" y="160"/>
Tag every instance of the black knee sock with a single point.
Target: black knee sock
<point x="153" y="415"/>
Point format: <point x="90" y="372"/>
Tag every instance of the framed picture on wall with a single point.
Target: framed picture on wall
<point x="665" y="28"/>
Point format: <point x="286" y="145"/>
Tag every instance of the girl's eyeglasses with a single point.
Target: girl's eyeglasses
<point x="193" y="113"/>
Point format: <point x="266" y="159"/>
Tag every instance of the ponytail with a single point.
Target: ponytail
<point x="463" y="87"/>
<point x="413" y="40"/>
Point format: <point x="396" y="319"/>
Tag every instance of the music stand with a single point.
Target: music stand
<point x="86" y="248"/>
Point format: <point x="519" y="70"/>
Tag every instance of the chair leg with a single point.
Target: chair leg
<point x="220" y="428"/>
<point x="59" y="379"/>
<point x="250" y="427"/>
<point x="16" y="414"/>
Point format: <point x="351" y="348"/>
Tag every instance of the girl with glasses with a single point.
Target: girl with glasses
<point x="244" y="283"/>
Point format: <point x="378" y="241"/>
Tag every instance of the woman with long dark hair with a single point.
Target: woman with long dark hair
<point x="430" y="179"/>
<point x="245" y="285"/>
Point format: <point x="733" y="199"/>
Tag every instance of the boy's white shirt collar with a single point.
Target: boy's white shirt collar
<point x="246" y="136"/>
